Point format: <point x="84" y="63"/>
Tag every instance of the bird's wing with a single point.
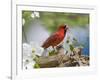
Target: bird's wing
<point x="54" y="37"/>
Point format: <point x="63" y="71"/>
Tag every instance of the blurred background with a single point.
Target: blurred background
<point x="37" y="26"/>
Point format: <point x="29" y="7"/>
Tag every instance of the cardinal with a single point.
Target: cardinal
<point x="56" y="38"/>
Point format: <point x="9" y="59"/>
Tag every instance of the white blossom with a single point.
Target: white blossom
<point x="36" y="14"/>
<point x="29" y="53"/>
<point x="38" y="50"/>
<point x="32" y="15"/>
<point x="27" y="50"/>
<point x="30" y="65"/>
<point x="23" y="21"/>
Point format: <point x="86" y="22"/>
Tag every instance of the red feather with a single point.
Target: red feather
<point x="56" y="37"/>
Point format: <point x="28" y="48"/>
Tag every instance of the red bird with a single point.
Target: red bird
<point x="56" y="37"/>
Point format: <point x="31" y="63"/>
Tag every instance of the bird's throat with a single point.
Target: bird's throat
<point x="62" y="32"/>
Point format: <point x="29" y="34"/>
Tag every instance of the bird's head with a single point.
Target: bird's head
<point x="63" y="27"/>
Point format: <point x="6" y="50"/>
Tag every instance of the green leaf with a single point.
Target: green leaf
<point x="36" y="65"/>
<point x="53" y="52"/>
<point x="71" y="47"/>
<point x="67" y="41"/>
<point x="74" y="39"/>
